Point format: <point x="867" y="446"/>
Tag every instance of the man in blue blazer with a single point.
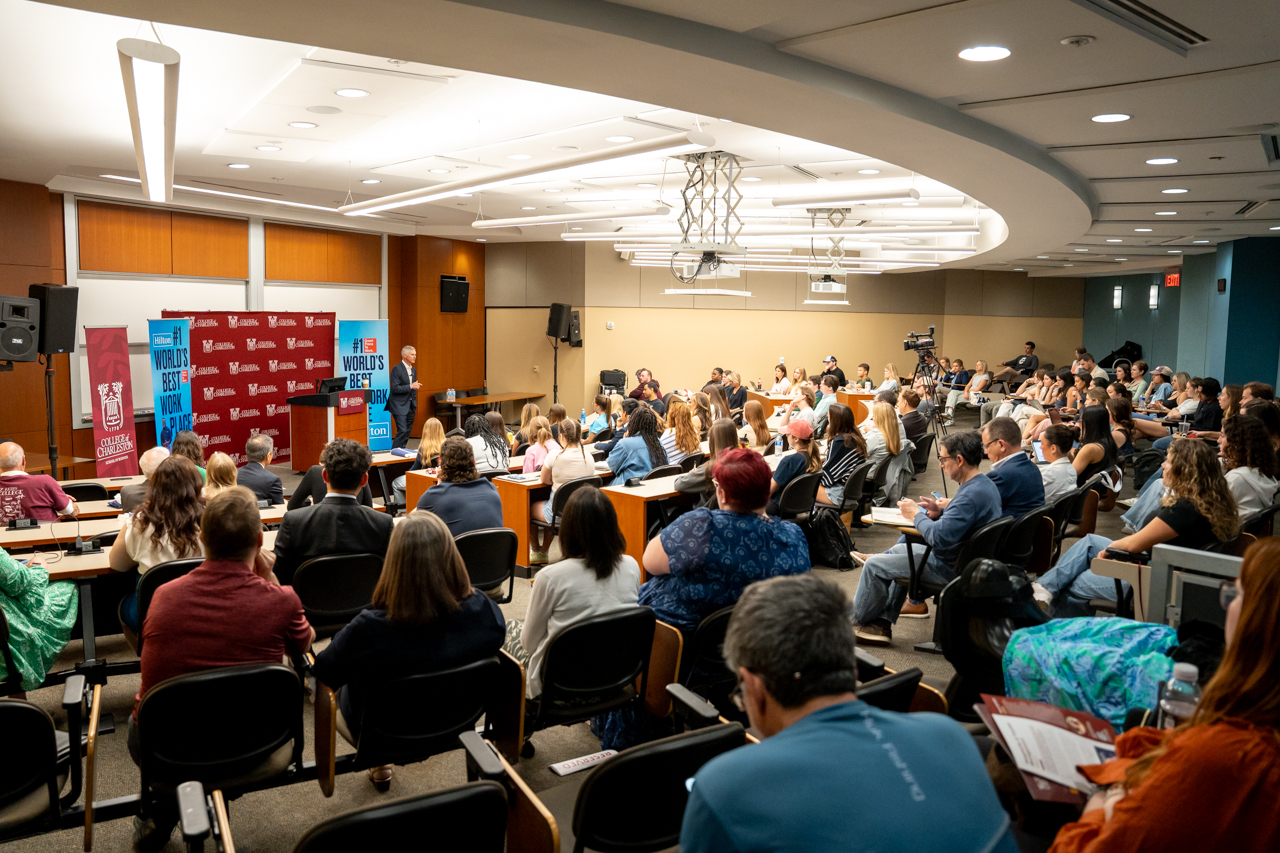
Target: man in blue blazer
<point x="402" y="401"/>
<point x="1016" y="477"/>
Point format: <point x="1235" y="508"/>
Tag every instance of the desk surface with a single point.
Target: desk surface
<point x="54" y="532"/>
<point x="481" y="399"/>
<point x="40" y="461"/>
<point x="92" y="565"/>
<point x="888" y="516"/>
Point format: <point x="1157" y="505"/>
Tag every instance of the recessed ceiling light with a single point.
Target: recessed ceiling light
<point x="237" y="165"/>
<point x="528" y="208"/>
<point x="1174" y="191"/>
<point x="1068" y="265"/>
<point x="1162" y="161"/>
<point x="1142" y="229"/>
<point x="1166" y="213"/>
<point x="986" y="53"/>
<point x="302" y="124"/>
<point x="1017" y="269"/>
<point x="566" y="148"/>
<point x="351" y="93"/>
<point x="751" y="178"/>
<point x="868" y="171"/>
<point x="619" y="139"/>
<point x="551" y="191"/>
<point x="1111" y="118"/>
<point x="519" y="156"/>
<point x="481" y="240"/>
<point x="646" y="186"/>
<point x="1175" y="251"/>
<point x="371" y="181"/>
<point x="1082" y="250"/>
<point x="438" y="171"/>
<point x="1114" y="240"/>
<point x="911" y="204"/>
<point x="268" y="147"/>
<point x="1042" y="256"/>
<point x="1199" y="241"/>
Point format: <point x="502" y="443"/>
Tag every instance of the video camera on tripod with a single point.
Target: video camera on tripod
<point x="923" y="344"/>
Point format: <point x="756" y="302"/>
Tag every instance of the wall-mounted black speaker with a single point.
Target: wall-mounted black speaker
<point x="19" y="328"/>
<point x="558" y="321"/>
<point x="575" y="330"/>
<point x="454" y="291"/>
<point x="57" y="316"/>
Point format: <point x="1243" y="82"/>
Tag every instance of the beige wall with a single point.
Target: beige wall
<point x="515" y="344"/>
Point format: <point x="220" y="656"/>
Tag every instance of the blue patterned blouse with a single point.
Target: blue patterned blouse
<point x="714" y="555"/>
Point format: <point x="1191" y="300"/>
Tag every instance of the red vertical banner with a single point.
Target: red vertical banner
<point x="114" y="439"/>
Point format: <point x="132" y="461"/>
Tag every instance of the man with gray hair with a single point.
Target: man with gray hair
<point x="24" y="495"/>
<point x="920" y="781"/>
<point x="254" y="476"/>
<point x="402" y="399"/>
<point x="132" y="495"/>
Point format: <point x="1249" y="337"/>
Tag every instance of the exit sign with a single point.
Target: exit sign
<point x="1172" y="279"/>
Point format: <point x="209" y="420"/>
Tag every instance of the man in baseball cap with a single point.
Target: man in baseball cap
<point x="799" y="434"/>
<point x="1161" y="387"/>
<point x="831" y="370"/>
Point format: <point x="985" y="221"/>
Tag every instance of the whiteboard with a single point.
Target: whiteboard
<point x="116" y="301"/>
<point x="348" y="302"/>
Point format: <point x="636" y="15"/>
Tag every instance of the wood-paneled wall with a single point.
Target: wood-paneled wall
<point x="153" y="241"/>
<point x="296" y="253"/>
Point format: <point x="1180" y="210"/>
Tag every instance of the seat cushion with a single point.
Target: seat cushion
<point x="29" y="808"/>
<point x="560" y="801"/>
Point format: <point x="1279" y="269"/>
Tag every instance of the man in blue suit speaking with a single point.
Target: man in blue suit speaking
<point x="1016" y="477"/>
<point x="402" y="401"/>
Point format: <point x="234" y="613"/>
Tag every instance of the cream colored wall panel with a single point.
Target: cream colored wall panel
<point x="771" y="291"/>
<point x="998" y="339"/>
<point x="505" y="278"/>
<point x="609" y="279"/>
<point x="515" y="344"/>
<point x="1006" y="294"/>
<point x="554" y="273"/>
<point x="963" y="292"/>
<point x="1057" y="297"/>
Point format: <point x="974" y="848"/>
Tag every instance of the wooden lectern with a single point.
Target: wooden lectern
<point x="317" y="419"/>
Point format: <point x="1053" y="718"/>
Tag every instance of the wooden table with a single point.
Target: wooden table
<point x="632" y="506"/>
<point x="770" y="401"/>
<point x="112" y="484"/>
<point x="62" y="532"/>
<point x="859" y="401"/>
<point x="486" y="399"/>
<point x="37" y="462"/>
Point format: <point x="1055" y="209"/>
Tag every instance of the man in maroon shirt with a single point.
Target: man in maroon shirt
<point x="230" y="610"/>
<point x="645" y="377"/>
<point x="24" y="495"/>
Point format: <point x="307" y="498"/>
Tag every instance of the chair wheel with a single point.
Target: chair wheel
<point x="527" y="750"/>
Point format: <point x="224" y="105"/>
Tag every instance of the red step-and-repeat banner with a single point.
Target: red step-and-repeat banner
<point x="245" y="364"/>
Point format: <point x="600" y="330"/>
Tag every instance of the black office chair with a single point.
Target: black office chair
<point x="770" y="449"/>
<point x="1261" y="522"/>
<point x="920" y="456"/>
<point x="381" y="479"/>
<point x="490" y="557"/>
<point x="86" y="492"/>
<point x="521" y="449"/>
<point x="38" y="761"/>
<point x="892" y="692"/>
<point x="561" y="499"/>
<point x="1083" y="517"/>
<point x="1019" y="543"/>
<point x="796" y="501"/>
<point x="855" y="498"/>
<point x="662" y="471"/>
<point x="693" y="460"/>
<point x="160" y="574"/>
<point x="591" y="668"/>
<point x="604" y="435"/>
<point x="702" y="667"/>
<point x="334" y="588"/>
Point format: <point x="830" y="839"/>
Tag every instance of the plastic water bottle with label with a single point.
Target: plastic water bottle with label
<point x="453" y="395"/>
<point x="1181" y="696"/>
<point x="779" y="444"/>
<point x="582" y="419"/>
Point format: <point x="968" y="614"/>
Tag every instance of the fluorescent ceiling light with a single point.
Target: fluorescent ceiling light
<point x="268" y="147"/>
<point x="1122" y="259"/>
<point x="1175" y="251"/>
<point x="1174" y="191"/>
<point x="1082" y="250"/>
<point x="937" y="250"/>
<point x="1142" y="229"/>
<point x="528" y="208"/>
<point x="669" y="234"/>
<point x="481" y="240"/>
<point x="619" y="139"/>
<point x="150" y="73"/>
<point x="911" y="204"/>
<point x="371" y="181"/>
<point x="1111" y="118"/>
<point x="1166" y="213"/>
<point x="304" y="125"/>
<point x="1274" y="228"/>
<point x="206" y="191"/>
<point x="826" y="302"/>
<point x="868" y="171"/>
<point x="551" y="191"/>
<point x="700" y="291"/>
<point x="984" y="53"/>
<point x="555" y="218"/>
<point x="576" y="228"/>
<point x="752" y="179"/>
<point x="1017" y="269"/>
<point x="1199" y="241"/>
<point x="848" y="197"/>
<point x="237" y="165"/>
<point x="1114" y="240"/>
<point x="1162" y="161"/>
<point x="351" y="93"/>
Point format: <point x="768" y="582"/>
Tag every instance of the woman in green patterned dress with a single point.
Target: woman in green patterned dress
<point x="40" y="615"/>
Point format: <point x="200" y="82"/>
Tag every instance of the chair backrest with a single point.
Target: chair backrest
<point x="702" y="664"/>
<point x="471" y="817"/>
<point x="1095" y="485"/>
<point x="159" y="575"/>
<point x="893" y="692"/>
<point x="1019" y="542"/>
<point x="855" y="486"/>
<point x="604" y="434"/>
<point x="335" y="587"/>
<point x="413" y="718"/>
<point x="1059" y="512"/>
<point x="598" y="656"/>
<point x="693" y="460"/>
<point x="86" y="491"/>
<point x="985" y="541"/>
<point x="663" y="471"/>
<point x="924" y="447"/>
<point x="198" y="727"/>
<point x="605" y="816"/>
<point x="770" y="449"/>
<point x="566" y="491"/>
<point x="490" y="556"/>
<point x="1260" y="523"/>
<point x="798" y="496"/>
<point x="30" y="757"/>
<point x="521" y="449"/>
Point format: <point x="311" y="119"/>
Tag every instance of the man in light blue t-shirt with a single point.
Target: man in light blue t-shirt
<point x="833" y="773"/>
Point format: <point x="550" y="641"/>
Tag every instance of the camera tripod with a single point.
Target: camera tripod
<point x="925" y="372"/>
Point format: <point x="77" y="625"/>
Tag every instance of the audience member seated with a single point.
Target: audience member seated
<point x="312" y="489"/>
<point x="717" y="376"/>
<point x="846" y="450"/>
<point x="955" y="379"/>
<point x="717" y="402"/>
<point x="428" y="456"/>
<point x="914" y="424"/>
<point x="1159" y="388"/>
<point x="885" y="437"/>
<point x="132" y="495"/>
<point x="703" y="560"/>
<point x="978" y="383"/>
<point x="1207" y="416"/>
<point x="425" y="617"/>
<point x="1137" y="381"/>
<point x="165" y="527"/>
<point x="40" y="614"/>
<point x="461" y="498"/>
<point x="1229" y="399"/>
<point x="781" y="384"/>
<point x="220" y="475"/>
<point x="890" y="382"/>
<point x="921" y="785"/>
<point x="641" y="451"/>
<point x="593" y="578"/>
<point x="338" y="524"/>
<point x="24" y="495"/>
<point x="1211" y="783"/>
<point x="254" y="476"/>
<point x="679" y="439"/>
<point x="1267" y="412"/>
<point x="1123" y="427"/>
<point x="627" y="409"/>
<point x="799" y="376"/>
<point x="230" y="610"/>
<point x="598" y="421"/>
<point x="801" y="408"/>
<point x="1017" y="478"/>
<point x="542" y="445"/>
<point x="1025" y="363"/>
<point x="1031" y="391"/>
<point x="653" y="397"/>
<point x="1257" y="391"/>
<point x="187" y="443"/>
<point x="878" y="600"/>
<point x="735" y="391"/>
<point x="862" y="380"/>
<point x="1097" y="450"/>
<point x="562" y="466"/>
<point x="1196" y="512"/>
<point x="1059" y="476"/>
<point x="645" y="377"/>
<point x="701" y="405"/>
<point x="491" y="451"/>
<point x="755" y="429"/>
<point x="524" y="435"/>
<point x="1183" y="398"/>
<point x="722" y="436"/>
<point x="829" y="386"/>
<point x="555" y="416"/>
<point x="1089" y="366"/>
<point x="805" y="459"/>
<point x="830" y="368"/>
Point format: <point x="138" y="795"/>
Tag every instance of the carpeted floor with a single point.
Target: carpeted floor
<point x="274" y="820"/>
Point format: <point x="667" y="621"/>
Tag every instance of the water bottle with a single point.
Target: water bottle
<point x="779" y="444"/>
<point x="582" y="419"/>
<point x="1181" y="695"/>
<point x="452" y="395"/>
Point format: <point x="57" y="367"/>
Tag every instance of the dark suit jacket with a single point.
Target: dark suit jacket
<point x="261" y="482"/>
<point x="1020" y="485"/>
<point x="336" y="525"/>
<point x="132" y="496"/>
<point x="313" y="487"/>
<point x="402" y="398"/>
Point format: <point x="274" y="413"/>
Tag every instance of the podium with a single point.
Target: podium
<point x="317" y="419"/>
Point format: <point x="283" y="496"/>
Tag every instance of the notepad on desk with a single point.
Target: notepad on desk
<point x="889" y="515"/>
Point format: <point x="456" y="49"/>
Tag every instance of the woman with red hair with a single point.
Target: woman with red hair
<point x="1212" y="783"/>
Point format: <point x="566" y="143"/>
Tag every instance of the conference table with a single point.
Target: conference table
<point x="37" y="462"/>
<point x="488" y="399"/>
<point x="859" y="401"/>
<point x="62" y="532"/>
<point x="771" y="402"/>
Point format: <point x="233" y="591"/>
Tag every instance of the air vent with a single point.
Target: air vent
<point x="805" y="173"/>
<point x="1147" y="22"/>
<point x="1271" y="146"/>
<point x="1252" y="207"/>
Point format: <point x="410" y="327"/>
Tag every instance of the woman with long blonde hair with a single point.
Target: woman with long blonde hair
<point x="428" y="456"/>
<point x="1212" y="783"/>
<point x="220" y="474"/>
<point x="755" y="429"/>
<point x="702" y="419"/>
<point x="890" y="382"/>
<point x="884" y="439"/>
<point x="799" y="377"/>
<point x="527" y="414"/>
<point x="679" y="439"/>
<point x="717" y="402"/>
<point x="542" y="445"/>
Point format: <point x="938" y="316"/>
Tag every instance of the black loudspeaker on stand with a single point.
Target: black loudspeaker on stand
<point x="563" y="326"/>
<point x="57" y="334"/>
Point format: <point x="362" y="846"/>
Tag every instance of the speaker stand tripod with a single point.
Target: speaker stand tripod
<point x="52" y="425"/>
<point x="555" y="370"/>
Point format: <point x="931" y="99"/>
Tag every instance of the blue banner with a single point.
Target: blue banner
<point x="363" y="357"/>
<point x="170" y="377"/>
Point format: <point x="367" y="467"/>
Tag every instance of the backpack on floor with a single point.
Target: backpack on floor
<point x="829" y="540"/>
<point x="1146" y="464"/>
